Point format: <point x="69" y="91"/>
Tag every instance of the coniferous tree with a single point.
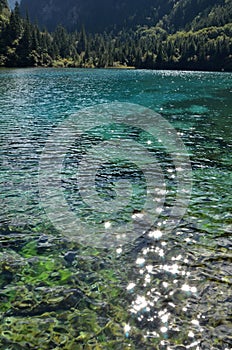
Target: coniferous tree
<point x="82" y="42"/>
<point x="24" y="47"/>
<point x="4" y="13"/>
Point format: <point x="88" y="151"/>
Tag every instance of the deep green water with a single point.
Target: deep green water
<point x="170" y="293"/>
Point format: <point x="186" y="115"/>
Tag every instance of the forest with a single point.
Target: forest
<point x="24" y="44"/>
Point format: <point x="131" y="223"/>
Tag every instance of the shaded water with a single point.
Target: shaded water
<point x="169" y="292"/>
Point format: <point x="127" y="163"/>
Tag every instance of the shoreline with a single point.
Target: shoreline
<point x="123" y="68"/>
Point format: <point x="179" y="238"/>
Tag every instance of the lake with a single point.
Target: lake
<point x="85" y="267"/>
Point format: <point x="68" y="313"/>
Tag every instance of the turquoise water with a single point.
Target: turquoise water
<point x="173" y="292"/>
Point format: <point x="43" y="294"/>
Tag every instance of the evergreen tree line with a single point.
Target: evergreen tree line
<point x="22" y="44"/>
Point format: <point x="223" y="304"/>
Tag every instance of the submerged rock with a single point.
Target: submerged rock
<point x="70" y="256"/>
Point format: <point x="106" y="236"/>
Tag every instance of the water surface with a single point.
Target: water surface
<point x="173" y="292"/>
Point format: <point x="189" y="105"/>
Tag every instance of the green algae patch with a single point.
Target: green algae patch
<point x="45" y="271"/>
<point x="48" y="302"/>
<point x="29" y="250"/>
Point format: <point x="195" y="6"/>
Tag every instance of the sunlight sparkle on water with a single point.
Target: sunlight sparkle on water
<point x="119" y="250"/>
<point x="107" y="225"/>
<point x="156" y="234"/>
<point x="127" y="329"/>
<point x="139" y="304"/>
<point x="138" y="216"/>
<point x="131" y="286"/>
<point x="187" y="288"/>
<point x="149" y="268"/>
<point x="164" y="329"/>
<point x="140" y="261"/>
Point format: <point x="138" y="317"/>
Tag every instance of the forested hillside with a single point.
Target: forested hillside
<point x="99" y="15"/>
<point x="205" y="43"/>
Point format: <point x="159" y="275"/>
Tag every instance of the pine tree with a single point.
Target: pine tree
<point x="11" y="36"/>
<point x="4" y="13"/>
<point x="15" y="26"/>
<point x="82" y="43"/>
<point x="61" y="41"/>
<point x="25" y="45"/>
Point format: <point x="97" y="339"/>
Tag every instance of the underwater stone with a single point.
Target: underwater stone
<point x="43" y="239"/>
<point x="70" y="256"/>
